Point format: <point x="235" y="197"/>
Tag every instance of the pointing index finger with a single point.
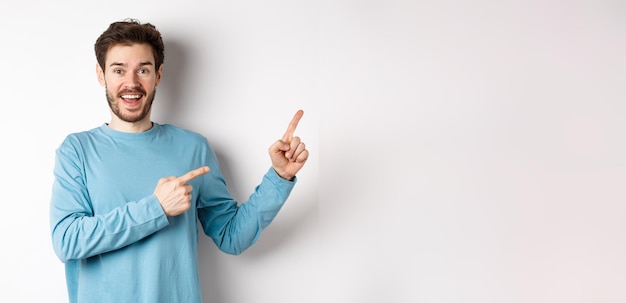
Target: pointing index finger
<point x="193" y="174"/>
<point x="292" y="126"/>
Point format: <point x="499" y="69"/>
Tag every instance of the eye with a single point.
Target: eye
<point x="118" y="71"/>
<point x="142" y="71"/>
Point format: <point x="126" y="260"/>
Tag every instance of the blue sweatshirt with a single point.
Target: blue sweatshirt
<point x="111" y="232"/>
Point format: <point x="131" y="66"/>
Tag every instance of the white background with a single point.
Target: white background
<point x="462" y="151"/>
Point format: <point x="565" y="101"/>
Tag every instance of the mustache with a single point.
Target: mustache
<point x="132" y="92"/>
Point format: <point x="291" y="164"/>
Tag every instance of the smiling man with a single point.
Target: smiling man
<point x="125" y="84"/>
<point x="128" y="194"/>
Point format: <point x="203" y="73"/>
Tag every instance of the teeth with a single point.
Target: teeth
<point x="131" y="96"/>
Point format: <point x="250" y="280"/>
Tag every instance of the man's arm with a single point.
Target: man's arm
<point x="235" y="228"/>
<point x="77" y="232"/>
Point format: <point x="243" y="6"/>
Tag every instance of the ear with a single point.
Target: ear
<point x="158" y="75"/>
<point x="100" y="74"/>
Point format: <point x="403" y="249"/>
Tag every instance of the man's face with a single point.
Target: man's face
<point x="130" y="79"/>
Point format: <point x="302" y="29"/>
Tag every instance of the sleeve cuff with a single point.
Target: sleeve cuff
<point x="273" y="176"/>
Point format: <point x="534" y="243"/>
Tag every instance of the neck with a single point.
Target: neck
<point x="130" y="127"/>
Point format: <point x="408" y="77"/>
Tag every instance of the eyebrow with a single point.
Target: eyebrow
<point x="124" y="64"/>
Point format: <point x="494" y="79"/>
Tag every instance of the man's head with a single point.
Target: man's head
<point x="128" y="32"/>
<point x="130" y="57"/>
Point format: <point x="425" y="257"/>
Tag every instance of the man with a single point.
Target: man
<point x="127" y="194"/>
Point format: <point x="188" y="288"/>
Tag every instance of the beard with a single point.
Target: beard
<point x="145" y="110"/>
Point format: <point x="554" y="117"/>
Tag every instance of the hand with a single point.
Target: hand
<point x="289" y="154"/>
<point x="174" y="193"/>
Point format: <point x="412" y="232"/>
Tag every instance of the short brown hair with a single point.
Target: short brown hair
<point x="128" y="32"/>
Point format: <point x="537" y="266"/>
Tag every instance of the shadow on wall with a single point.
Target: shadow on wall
<point x="171" y="105"/>
<point x="170" y="98"/>
<point x="285" y="228"/>
<point x="216" y="282"/>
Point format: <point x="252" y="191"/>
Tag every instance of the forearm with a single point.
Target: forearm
<point x="78" y="235"/>
<point x="234" y="229"/>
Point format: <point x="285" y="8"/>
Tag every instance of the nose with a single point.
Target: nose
<point x="132" y="80"/>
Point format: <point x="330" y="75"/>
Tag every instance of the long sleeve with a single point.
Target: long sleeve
<point x="77" y="232"/>
<point x="110" y="230"/>
<point x="232" y="226"/>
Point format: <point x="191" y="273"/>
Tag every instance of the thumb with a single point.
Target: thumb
<point x="166" y="179"/>
<point x="279" y="146"/>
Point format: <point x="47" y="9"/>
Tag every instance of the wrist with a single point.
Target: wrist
<point x="284" y="175"/>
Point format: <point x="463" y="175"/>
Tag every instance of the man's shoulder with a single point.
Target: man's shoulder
<point x="82" y="134"/>
<point x="181" y="132"/>
<point x="77" y="139"/>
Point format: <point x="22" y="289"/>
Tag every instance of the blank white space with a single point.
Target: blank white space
<point x="461" y="151"/>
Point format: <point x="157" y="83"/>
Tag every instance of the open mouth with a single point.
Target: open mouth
<point x="131" y="100"/>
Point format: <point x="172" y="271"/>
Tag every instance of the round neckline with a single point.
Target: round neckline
<point x="124" y="135"/>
